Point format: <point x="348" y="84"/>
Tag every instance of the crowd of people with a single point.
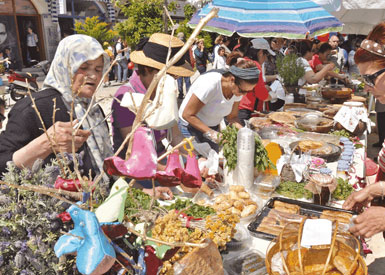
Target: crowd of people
<point x="244" y="79"/>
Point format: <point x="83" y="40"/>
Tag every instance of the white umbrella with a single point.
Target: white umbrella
<point x="358" y="16"/>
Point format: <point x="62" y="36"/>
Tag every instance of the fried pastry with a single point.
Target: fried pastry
<point x="292" y="259"/>
<point x="286" y="207"/>
<point x="343" y="261"/>
<point x="314" y="261"/>
<point x="307" y="145"/>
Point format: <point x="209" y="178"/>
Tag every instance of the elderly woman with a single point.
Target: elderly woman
<point x="77" y="68"/>
<point x="370" y="59"/>
<point x="212" y="97"/>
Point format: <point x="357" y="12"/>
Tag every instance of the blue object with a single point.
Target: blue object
<point x="95" y="254"/>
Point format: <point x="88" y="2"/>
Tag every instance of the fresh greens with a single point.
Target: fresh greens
<point x="136" y="201"/>
<point x="229" y="146"/>
<point x="341" y="133"/>
<point x="343" y="189"/>
<point x="294" y="190"/>
<point x="191" y="209"/>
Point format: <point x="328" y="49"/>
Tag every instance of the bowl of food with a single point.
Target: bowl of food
<point x="314" y="123"/>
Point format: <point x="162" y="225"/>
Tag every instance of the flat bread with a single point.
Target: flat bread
<point x="282" y="117"/>
<point x="307" y="145"/>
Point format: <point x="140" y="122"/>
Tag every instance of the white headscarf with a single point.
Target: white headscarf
<point x="71" y="53"/>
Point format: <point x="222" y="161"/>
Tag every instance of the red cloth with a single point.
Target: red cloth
<point x="260" y="92"/>
<point x="314" y="62"/>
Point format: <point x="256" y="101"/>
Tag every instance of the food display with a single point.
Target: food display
<point x="282" y="117"/>
<point x="293" y="190"/>
<point x="316" y="147"/>
<point x="219" y="228"/>
<point x="237" y="201"/>
<point x="341" y="256"/>
<point x="279" y="212"/>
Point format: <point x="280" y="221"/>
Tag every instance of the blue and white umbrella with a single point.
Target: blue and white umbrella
<point x="292" y="19"/>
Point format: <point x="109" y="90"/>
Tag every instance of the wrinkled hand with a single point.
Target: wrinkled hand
<point x="357" y="200"/>
<point x="370" y="222"/>
<point x="160" y="192"/>
<point x="61" y="136"/>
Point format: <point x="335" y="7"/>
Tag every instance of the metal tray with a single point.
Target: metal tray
<point x="306" y="208"/>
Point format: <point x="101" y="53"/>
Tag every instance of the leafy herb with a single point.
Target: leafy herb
<point x="341" y="133"/>
<point x="192" y="209"/>
<point x="343" y="189"/>
<point x="137" y="200"/>
<point x="294" y="190"/>
<point x="290" y="69"/>
<point x="229" y="147"/>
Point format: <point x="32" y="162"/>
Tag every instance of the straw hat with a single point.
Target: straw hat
<point x="153" y="53"/>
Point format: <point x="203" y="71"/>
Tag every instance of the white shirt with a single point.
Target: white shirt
<point x="208" y="89"/>
<point x="302" y="80"/>
<point x="219" y="62"/>
<point x="118" y="47"/>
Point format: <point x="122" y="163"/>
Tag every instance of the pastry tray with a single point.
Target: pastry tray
<point x="306" y="209"/>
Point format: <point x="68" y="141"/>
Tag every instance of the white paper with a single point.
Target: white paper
<point x="316" y="232"/>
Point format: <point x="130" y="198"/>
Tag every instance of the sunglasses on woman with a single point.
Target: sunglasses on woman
<point x="370" y="79"/>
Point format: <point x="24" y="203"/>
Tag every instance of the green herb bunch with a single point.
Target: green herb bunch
<point x="289" y="69"/>
<point x="294" y="190"/>
<point x="191" y="209"/>
<point x="341" y="133"/>
<point x="343" y="189"/>
<point x="228" y="142"/>
<point x="136" y="201"/>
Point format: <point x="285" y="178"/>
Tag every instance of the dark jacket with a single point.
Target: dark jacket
<point x="200" y="57"/>
<point x="23" y="125"/>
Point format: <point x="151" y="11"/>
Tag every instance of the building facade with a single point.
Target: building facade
<point x="50" y="20"/>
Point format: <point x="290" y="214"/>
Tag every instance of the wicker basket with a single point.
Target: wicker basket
<point x="290" y="237"/>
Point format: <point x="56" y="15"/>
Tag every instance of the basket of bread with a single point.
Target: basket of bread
<point x="288" y="256"/>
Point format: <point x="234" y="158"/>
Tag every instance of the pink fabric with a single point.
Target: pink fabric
<point x="191" y="176"/>
<point x="142" y="162"/>
<point x="168" y="177"/>
<point x="70" y="184"/>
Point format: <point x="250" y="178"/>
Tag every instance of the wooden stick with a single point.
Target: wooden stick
<point x="40" y="191"/>
<point x="174" y="59"/>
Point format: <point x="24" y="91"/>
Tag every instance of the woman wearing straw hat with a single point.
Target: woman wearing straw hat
<point x="150" y="56"/>
<point x="212" y="97"/>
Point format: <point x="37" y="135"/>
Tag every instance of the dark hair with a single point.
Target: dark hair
<point x="377" y="35"/>
<point x="323" y="47"/>
<point x="245" y="64"/>
<point x="232" y="58"/>
<point x="220" y="49"/>
<point x="143" y="69"/>
<point x="2" y="102"/>
<point x="303" y="47"/>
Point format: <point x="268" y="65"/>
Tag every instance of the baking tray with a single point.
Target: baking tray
<point x="306" y="208"/>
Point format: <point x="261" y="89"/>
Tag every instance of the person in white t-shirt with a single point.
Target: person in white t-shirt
<point x="277" y="95"/>
<point x="304" y="50"/>
<point x="212" y="97"/>
<point x="220" y="59"/>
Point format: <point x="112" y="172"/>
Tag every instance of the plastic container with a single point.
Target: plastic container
<point x="245" y="153"/>
<point x="249" y="261"/>
<point x="265" y="185"/>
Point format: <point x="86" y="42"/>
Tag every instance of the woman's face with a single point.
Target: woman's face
<point x="378" y="90"/>
<point x="308" y="55"/>
<point x="242" y="88"/>
<point x="88" y="77"/>
<point x="324" y="56"/>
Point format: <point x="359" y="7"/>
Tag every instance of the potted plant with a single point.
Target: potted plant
<point x="290" y="72"/>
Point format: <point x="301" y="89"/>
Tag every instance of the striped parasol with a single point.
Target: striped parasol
<point x="292" y="19"/>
